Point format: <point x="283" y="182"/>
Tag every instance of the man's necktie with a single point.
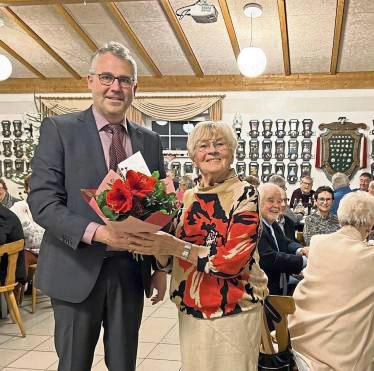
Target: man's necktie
<point x="116" y="151"/>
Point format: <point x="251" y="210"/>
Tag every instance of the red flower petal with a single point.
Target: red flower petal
<point x="140" y="185"/>
<point x="119" y="198"/>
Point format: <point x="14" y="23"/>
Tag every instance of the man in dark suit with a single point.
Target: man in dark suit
<point x="83" y="266"/>
<point x="278" y="256"/>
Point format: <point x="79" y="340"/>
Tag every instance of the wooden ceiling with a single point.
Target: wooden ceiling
<point x="319" y="44"/>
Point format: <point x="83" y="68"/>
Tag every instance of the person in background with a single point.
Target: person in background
<point x="10" y="231"/>
<point x="185" y="183"/>
<point x="371" y="187"/>
<point x="278" y="256"/>
<point x="5" y="198"/>
<point x="332" y="326"/>
<point x="286" y="224"/>
<point x="365" y="179"/>
<point x="304" y="194"/>
<point x="32" y="231"/>
<point x="252" y="180"/>
<point x="83" y="264"/>
<point x="322" y="221"/>
<point x="340" y="184"/>
<point x="216" y="283"/>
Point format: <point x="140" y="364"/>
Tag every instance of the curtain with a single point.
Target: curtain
<point x="178" y="108"/>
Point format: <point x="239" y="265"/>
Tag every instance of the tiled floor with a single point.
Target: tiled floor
<point x="158" y="344"/>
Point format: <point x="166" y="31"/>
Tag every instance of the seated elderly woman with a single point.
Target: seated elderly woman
<point x="332" y="327"/>
<point x="322" y="221"/>
<point x="278" y="254"/>
<point x="217" y="284"/>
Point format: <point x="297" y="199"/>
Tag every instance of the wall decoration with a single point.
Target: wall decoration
<point x="306" y="149"/>
<point x="280" y="124"/>
<point x="240" y="150"/>
<point x="265" y="171"/>
<point x="293" y="149"/>
<point x="6" y="128"/>
<point x="240" y="168"/>
<point x="306" y="169"/>
<point x="266" y="149"/>
<point x="307" y="128"/>
<point x="253" y="168"/>
<point x="294" y="128"/>
<point x="254" y="149"/>
<point x="292" y="170"/>
<point x="280" y="149"/>
<point x="253" y="128"/>
<point x="176" y="166"/>
<point x="188" y="167"/>
<point x="339" y="149"/>
<point x="279" y="168"/>
<point x="267" y="125"/>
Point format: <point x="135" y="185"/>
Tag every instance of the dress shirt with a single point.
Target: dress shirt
<point x="106" y="141"/>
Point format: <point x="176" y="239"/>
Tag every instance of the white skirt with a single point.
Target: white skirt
<point x="221" y="344"/>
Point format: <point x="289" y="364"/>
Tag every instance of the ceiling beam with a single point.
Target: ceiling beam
<point x="52" y="2"/>
<point x="77" y="28"/>
<point x="179" y="33"/>
<point x="230" y="27"/>
<point x="339" y="18"/>
<point x="14" y="17"/>
<point x="125" y="26"/>
<point x="209" y="83"/>
<point x="282" y="13"/>
<point x="15" y="55"/>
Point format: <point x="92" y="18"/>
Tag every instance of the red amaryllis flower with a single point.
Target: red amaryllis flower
<point x="140" y="185"/>
<point x="119" y="198"/>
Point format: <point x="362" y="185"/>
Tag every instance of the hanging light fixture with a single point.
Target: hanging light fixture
<point x="5" y="67"/>
<point x="252" y="61"/>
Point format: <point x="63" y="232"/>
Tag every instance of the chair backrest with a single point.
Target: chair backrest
<point x="11" y="249"/>
<point x="284" y="305"/>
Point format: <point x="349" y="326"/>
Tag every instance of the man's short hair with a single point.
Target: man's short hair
<point x="306" y="177"/>
<point x="366" y="175"/>
<point x="339" y="180"/>
<point x="279" y="181"/>
<point x="118" y="50"/>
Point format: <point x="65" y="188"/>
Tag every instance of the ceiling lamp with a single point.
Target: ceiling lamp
<point x="252" y="61"/>
<point x="5" y="67"/>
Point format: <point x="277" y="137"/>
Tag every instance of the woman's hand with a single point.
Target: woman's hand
<point x="159" y="243"/>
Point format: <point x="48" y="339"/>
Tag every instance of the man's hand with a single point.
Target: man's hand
<point x="114" y="239"/>
<point x="304" y="251"/>
<point x="158" y="282"/>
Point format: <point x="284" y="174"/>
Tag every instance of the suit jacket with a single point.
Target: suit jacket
<point x="275" y="262"/>
<point x="70" y="157"/>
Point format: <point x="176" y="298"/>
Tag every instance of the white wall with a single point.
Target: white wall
<point x="320" y="106"/>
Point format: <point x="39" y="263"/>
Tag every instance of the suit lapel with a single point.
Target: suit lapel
<point x="136" y="137"/>
<point x="91" y="136"/>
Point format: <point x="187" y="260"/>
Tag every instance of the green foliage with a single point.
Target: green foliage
<point x="109" y="213"/>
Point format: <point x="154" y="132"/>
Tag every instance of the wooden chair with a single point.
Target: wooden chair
<point x="284" y="305"/>
<point x="31" y="276"/>
<point x="12" y="249"/>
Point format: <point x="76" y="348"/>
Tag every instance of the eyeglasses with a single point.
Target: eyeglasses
<point x="204" y="146"/>
<point x="322" y="200"/>
<point x="108" y="79"/>
<point x="307" y="184"/>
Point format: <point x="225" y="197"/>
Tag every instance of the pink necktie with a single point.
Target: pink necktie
<point x="116" y="151"/>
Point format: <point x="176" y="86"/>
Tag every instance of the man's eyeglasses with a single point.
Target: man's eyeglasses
<point x="108" y="79"/>
<point x="204" y="146"/>
<point x="322" y="200"/>
<point x="307" y="184"/>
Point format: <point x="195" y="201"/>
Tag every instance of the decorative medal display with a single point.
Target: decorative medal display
<point x="240" y="168"/>
<point x="253" y="129"/>
<point x="19" y="166"/>
<point x="372" y="149"/>
<point x="292" y="172"/>
<point x="306" y="169"/>
<point x="266" y="149"/>
<point x="253" y="149"/>
<point x="280" y="149"/>
<point x="280" y="125"/>
<point x="188" y="167"/>
<point x="8" y="168"/>
<point x="240" y="150"/>
<point x="307" y="128"/>
<point x="294" y="128"/>
<point x="18" y="148"/>
<point x="341" y="148"/>
<point x="267" y="125"/>
<point x="306" y="149"/>
<point x="176" y="166"/>
<point x="7" y="148"/>
<point x="253" y="168"/>
<point x="293" y="149"/>
<point x="279" y="168"/>
<point x="266" y="171"/>
<point x="17" y="125"/>
<point x="237" y="124"/>
<point x="6" y="128"/>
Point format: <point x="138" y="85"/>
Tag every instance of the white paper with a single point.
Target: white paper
<point x="135" y="162"/>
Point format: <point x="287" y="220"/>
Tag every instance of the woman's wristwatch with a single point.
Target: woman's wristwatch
<point x="186" y="250"/>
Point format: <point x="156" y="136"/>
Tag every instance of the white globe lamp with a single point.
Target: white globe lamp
<point x="251" y="62"/>
<point x="5" y="67"/>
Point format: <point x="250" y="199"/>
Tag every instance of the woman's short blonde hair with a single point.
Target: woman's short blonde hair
<point x="357" y="209"/>
<point x="207" y="130"/>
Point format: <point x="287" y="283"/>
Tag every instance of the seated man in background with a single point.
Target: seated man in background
<point x="304" y="194"/>
<point x="6" y="199"/>
<point x="340" y="184"/>
<point x="365" y="179"/>
<point x="277" y="253"/>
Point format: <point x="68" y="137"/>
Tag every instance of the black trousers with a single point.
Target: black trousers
<point x="116" y="303"/>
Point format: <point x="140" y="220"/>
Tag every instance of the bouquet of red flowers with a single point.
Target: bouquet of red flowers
<point x="137" y="195"/>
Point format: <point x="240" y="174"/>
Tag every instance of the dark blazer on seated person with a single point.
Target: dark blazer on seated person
<point x="275" y="260"/>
